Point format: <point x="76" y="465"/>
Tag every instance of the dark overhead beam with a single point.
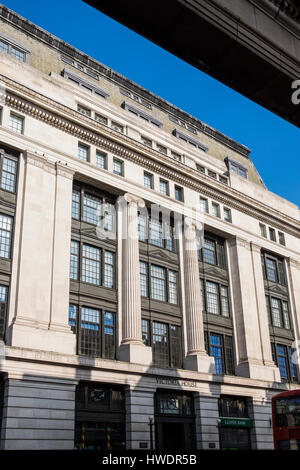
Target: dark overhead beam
<point x="219" y="44"/>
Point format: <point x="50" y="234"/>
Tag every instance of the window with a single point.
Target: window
<point x="136" y="98"/>
<point x="200" y="168"/>
<point x="273" y="269"/>
<point x="209" y="251"/>
<point x="156" y="233"/>
<point x="117" y="127"/>
<point x="141" y="114"/>
<point x="227" y="214"/>
<point x="281" y="238"/>
<point x="75" y="204"/>
<point x="278" y="312"/>
<point x="158" y="283"/>
<point x="91" y="209"/>
<point x="95" y="329"/>
<point x="3" y="305"/>
<point x="83" y="110"/>
<point x="190" y="140"/>
<point x="118" y="167"/>
<point x="263" y="230"/>
<point x="91" y="265"/>
<point x="165" y="340"/>
<point x="82" y="82"/>
<point x="160" y="234"/>
<point x="237" y="168"/>
<point x="74" y="261"/>
<point x="80" y="67"/>
<point x="161" y="149"/>
<point x="13" y="48"/>
<point x="5" y="235"/>
<point x="109" y="268"/>
<point x="8" y="174"/>
<point x="215" y="209"/>
<point x="146" y="141"/>
<point x="16" y="123"/>
<point x="221" y="348"/>
<point x="204" y="205"/>
<point x="101" y="159"/>
<point x="179" y="193"/>
<point x="172" y="287"/>
<point x="176" y="156"/>
<point x="212" y="174"/>
<point x="144" y="279"/>
<point x="92" y="259"/>
<point x="272" y="234"/>
<point x="164" y="187"/>
<point x="101" y="119"/>
<point x="83" y="152"/>
<point x="223" y="180"/>
<point x="183" y="124"/>
<point x="282" y="356"/>
<point x="148" y="180"/>
<point x="215" y="299"/>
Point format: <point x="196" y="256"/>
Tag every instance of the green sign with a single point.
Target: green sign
<point x="236" y="422"/>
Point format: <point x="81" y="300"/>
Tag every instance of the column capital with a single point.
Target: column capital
<point x="132" y="199"/>
<point x="192" y="224"/>
<point x="40" y="161"/>
<point x="63" y="169"/>
<point x="256" y="248"/>
<point x="294" y="263"/>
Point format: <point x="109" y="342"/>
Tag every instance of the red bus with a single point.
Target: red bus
<point x="286" y="420"/>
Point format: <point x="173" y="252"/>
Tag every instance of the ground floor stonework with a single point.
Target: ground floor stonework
<point x="50" y="401"/>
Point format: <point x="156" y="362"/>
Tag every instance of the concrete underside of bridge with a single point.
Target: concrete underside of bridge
<point x="254" y="50"/>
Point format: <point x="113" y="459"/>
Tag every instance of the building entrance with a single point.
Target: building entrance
<point x="100" y="417"/>
<point x="174" y="421"/>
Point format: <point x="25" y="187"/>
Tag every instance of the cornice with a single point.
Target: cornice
<point x="68" y="120"/>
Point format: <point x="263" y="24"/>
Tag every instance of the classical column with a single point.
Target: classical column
<point x="196" y="358"/>
<point x="253" y="354"/>
<point x="132" y="348"/>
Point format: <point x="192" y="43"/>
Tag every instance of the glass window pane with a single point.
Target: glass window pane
<point x="172" y="287"/>
<point x="91" y="264"/>
<point x="175" y="340"/>
<point x="16" y="123"/>
<point x="164" y="187"/>
<point x="3" y="47"/>
<point x="83" y="152"/>
<point x="90" y="332"/>
<point x="101" y="160"/>
<point x="108" y="269"/>
<point x="158" y="283"/>
<point x="209" y="252"/>
<point x="282" y="361"/>
<point x="73" y="317"/>
<point x="203" y="205"/>
<point x="5" y="235"/>
<point x="271" y="270"/>
<point x="216" y="350"/>
<point x="156" y="233"/>
<point x="3" y="300"/>
<point x="160" y="344"/>
<point x="143" y="279"/>
<point x="145" y="332"/>
<point x="109" y="336"/>
<point x="8" y="177"/>
<point x="286" y="317"/>
<point x="118" y="167"/>
<point x="91" y="209"/>
<point x="74" y="261"/>
<point x="212" y="296"/>
<point x="276" y="312"/>
<point x="142" y="228"/>
<point x="224" y="301"/>
<point x="75" y="204"/>
<point x="17" y="54"/>
<point x="148" y="180"/>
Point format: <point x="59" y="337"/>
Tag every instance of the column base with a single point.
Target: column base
<point x="258" y="370"/>
<point x="39" y="337"/>
<point x="135" y="353"/>
<point x="200" y="363"/>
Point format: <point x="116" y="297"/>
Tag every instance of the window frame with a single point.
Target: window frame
<point x="162" y="180"/>
<point x="88" y="148"/>
<point x="3" y="156"/>
<point x="166" y="280"/>
<point x="18" y="116"/>
<point x="13" y="44"/>
<point x="121" y="162"/>
<point x="220" y="285"/>
<point x="78" y="328"/>
<point x="180" y="191"/>
<point x="170" y="347"/>
<point x="228" y="363"/>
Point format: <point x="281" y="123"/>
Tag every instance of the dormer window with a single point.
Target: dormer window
<point x="237" y="168"/>
<point x="13" y="48"/>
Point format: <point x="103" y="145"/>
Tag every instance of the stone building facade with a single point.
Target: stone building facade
<point x="149" y="281"/>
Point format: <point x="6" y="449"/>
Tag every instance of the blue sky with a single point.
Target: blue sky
<point x="274" y="143"/>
